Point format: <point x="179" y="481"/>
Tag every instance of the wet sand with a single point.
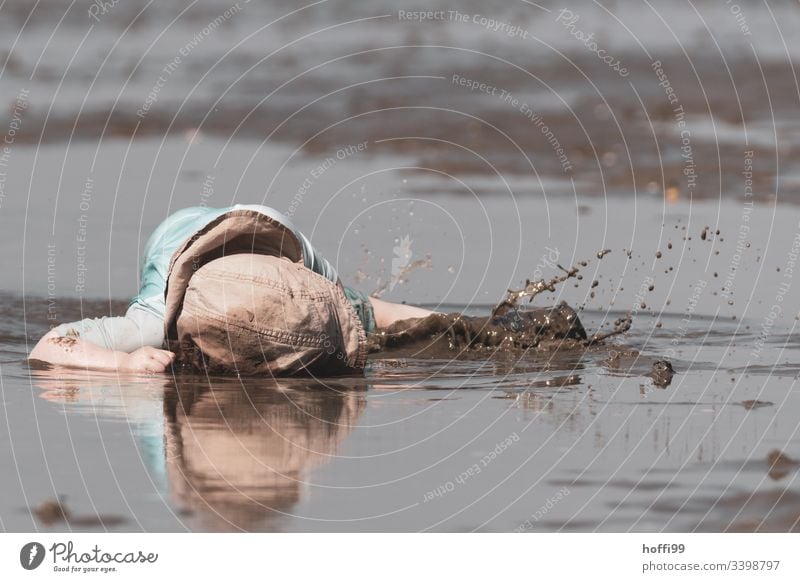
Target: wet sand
<point x="387" y="163"/>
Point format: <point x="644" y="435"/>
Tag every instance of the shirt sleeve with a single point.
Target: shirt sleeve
<point x="138" y="327"/>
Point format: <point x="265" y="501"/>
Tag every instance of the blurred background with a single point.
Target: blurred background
<point x="435" y="156"/>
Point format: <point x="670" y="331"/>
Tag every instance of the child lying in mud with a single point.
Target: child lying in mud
<point x="240" y="290"/>
<point x="236" y="288"/>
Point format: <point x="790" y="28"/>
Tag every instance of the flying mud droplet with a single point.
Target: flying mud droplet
<point x="532" y="289"/>
<point x="621" y="325"/>
<point x="662" y="373"/>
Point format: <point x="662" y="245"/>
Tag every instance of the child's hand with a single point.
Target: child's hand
<point x="147" y="359"/>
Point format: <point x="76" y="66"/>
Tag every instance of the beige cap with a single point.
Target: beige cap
<point x="239" y="299"/>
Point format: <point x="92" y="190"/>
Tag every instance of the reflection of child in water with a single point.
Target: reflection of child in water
<point x="238" y="458"/>
<point x="231" y="455"/>
<point x="136" y="340"/>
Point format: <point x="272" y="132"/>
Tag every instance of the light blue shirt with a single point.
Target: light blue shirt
<point x="178" y="227"/>
<point x="143" y="323"/>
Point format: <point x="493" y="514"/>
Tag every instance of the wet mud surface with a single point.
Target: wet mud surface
<point x="622" y="438"/>
<point x="653" y="391"/>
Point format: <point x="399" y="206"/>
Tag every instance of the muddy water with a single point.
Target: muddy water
<point x="364" y="134"/>
<point x="524" y="440"/>
<point x="520" y="440"/>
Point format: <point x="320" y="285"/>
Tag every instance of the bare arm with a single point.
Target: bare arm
<point x="70" y="351"/>
<point x="128" y="343"/>
<point x="386" y="313"/>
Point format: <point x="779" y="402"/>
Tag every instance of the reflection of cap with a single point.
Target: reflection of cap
<point x="239" y="298"/>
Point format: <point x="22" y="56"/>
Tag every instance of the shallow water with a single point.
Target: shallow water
<point x="531" y="441"/>
<point x="424" y="170"/>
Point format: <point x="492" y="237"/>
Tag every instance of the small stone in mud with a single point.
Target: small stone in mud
<point x="658" y="254"/>
<point x="603" y="253"/>
<point x="54" y="511"/>
<point x="651" y="287"/>
<point x="751" y="404"/>
<point x="51" y="512"/>
<point x="777" y="459"/>
<point x="662" y="373"/>
<point x="780" y="464"/>
<point x="704" y="234"/>
<point x="669" y="245"/>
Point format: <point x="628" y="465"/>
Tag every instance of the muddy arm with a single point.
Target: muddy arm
<point x="515" y="329"/>
<point x="70" y="351"/>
